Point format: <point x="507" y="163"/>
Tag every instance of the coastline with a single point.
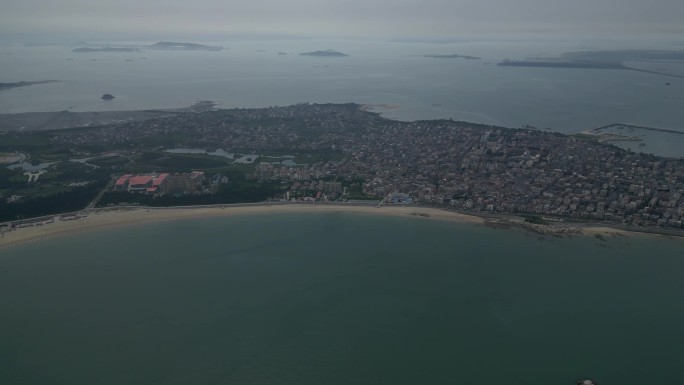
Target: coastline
<point x="51" y="120"/>
<point x="105" y="218"/>
<point x="108" y="218"/>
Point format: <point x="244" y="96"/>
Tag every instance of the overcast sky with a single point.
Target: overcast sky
<point x="373" y="18"/>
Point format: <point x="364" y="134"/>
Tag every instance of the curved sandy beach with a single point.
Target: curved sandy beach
<point x="102" y="218"/>
<point x="97" y="219"/>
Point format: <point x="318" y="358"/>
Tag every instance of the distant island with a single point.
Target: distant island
<point x="162" y="45"/>
<point x="453" y="56"/>
<point x="611" y="59"/>
<point x="619" y="56"/>
<point x="108" y="97"/>
<point x="104" y="49"/>
<point x="6" y="86"/>
<point x="561" y="64"/>
<point x="171" y="45"/>
<point x="326" y="53"/>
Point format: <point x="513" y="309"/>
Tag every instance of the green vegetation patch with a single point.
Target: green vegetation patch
<point x="109" y="161"/>
<point x="56" y="153"/>
<point x="66" y="201"/>
<point x="27" y="142"/>
<point x="535" y="219"/>
<point x="11" y="178"/>
<point x="234" y="192"/>
<point x="182" y="162"/>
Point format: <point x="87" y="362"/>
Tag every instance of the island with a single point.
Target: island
<point x="5" y="86"/>
<point x="326" y="53"/>
<point x="453" y="56"/>
<point x="107" y="97"/>
<point x="171" y="45"/>
<point x="104" y="49"/>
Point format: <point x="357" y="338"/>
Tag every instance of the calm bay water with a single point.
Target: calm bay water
<point x="339" y="299"/>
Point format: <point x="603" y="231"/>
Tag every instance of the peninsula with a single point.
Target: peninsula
<point x="39" y="121"/>
<point x="615" y="59"/>
<point x="6" y="86"/>
<point x="561" y="63"/>
<point x="336" y="153"/>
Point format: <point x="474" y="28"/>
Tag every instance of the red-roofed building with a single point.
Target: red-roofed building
<point x="121" y="184"/>
<point x="140" y="182"/>
<point x="163" y="183"/>
<point x="160" y="184"/>
<point x="161" y="178"/>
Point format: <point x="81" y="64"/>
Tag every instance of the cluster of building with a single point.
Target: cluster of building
<point x="319" y="189"/>
<point x="292" y="127"/>
<point x="498" y="170"/>
<point x="467" y="166"/>
<point x="161" y="183"/>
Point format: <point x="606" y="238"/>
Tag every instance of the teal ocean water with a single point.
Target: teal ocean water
<point x="339" y="299"/>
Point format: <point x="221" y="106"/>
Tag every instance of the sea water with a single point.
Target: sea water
<point x="253" y="74"/>
<point x="339" y="299"/>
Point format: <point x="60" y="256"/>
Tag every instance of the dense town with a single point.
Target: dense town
<point x="469" y="167"/>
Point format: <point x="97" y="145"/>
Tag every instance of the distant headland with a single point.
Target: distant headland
<point x="326" y="53"/>
<point x="613" y="59"/>
<point x="104" y="49"/>
<point x="172" y="45"/>
<point x="162" y="45"/>
<point x="453" y="56"/>
<point x="557" y="63"/>
<point x="6" y="86"/>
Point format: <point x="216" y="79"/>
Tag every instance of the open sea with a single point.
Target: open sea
<point x="339" y="299"/>
<point x="394" y="74"/>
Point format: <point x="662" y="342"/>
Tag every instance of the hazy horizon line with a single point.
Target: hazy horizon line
<point x="89" y="38"/>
